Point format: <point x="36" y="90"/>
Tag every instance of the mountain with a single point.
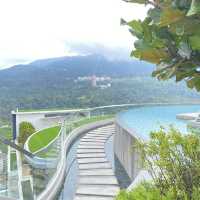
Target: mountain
<point x="49" y="83"/>
<point x="78" y="66"/>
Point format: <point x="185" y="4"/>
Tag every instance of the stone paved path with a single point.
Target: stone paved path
<point x="96" y="177"/>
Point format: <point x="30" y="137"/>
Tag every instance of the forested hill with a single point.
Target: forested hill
<point x="78" y="66"/>
<point x="51" y="83"/>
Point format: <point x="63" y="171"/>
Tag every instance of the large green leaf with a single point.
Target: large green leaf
<point x="136" y="26"/>
<point x="155" y="56"/>
<point x="170" y="16"/>
<point x="195" y="42"/>
<point x="194" y="83"/>
<point x="147" y="32"/>
<point x="185" y="26"/>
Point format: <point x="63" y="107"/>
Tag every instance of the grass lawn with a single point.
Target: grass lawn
<point x="13" y="162"/>
<point x="43" y="138"/>
<point x="91" y="119"/>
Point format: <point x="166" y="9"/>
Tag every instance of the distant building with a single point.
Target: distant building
<point x="94" y="81"/>
<point x="105" y="86"/>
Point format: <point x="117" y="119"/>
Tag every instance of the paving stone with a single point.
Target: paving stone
<point x="92" y="143"/>
<point x="97" y="137"/>
<point x="98" y="180"/>
<point x="108" y="190"/>
<point x="95" y="166"/>
<point x="91" y="160"/>
<point x="96" y="177"/>
<point x="91" y="155"/>
<point x="97" y="172"/>
<point x="90" y="147"/>
<point x="90" y="151"/>
<point x="92" y="140"/>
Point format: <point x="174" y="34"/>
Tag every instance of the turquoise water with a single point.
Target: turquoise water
<point x="142" y="120"/>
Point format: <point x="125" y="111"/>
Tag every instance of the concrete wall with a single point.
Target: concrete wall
<point x="128" y="156"/>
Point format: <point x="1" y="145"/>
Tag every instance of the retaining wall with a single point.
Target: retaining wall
<point x="128" y="156"/>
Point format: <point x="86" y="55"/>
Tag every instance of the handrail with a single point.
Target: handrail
<point x="107" y="106"/>
<point x="57" y="180"/>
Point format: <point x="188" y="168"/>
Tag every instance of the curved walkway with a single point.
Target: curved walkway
<point x="96" y="177"/>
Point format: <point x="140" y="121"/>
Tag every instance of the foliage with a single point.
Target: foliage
<point x="42" y="138"/>
<point x="144" y="191"/>
<point x="25" y="130"/>
<point x="67" y="94"/>
<point x="173" y="160"/>
<point x="169" y="37"/>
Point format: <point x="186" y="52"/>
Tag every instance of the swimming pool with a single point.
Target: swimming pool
<point x="142" y="120"/>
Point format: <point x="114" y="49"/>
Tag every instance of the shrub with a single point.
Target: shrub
<point x="25" y="130"/>
<point x="173" y="160"/>
<point x="144" y="191"/>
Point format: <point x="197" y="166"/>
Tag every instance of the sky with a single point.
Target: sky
<point x="37" y="29"/>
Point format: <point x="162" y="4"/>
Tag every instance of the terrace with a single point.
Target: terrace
<point x="82" y="146"/>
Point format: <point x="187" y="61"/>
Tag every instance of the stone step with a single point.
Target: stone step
<point x="98" y="180"/>
<point x="98" y="134"/>
<point x="96" y="137"/>
<point x="102" y="131"/>
<point x="106" y="165"/>
<point x="91" y="160"/>
<point x="90" y="147"/>
<point x="92" y="140"/>
<point x="96" y="172"/>
<point x="92" y="143"/>
<point x="91" y="155"/>
<point x="90" y="151"/>
<point x="98" y="190"/>
<point x="92" y="197"/>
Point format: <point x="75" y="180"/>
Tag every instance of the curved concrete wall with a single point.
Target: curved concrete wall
<point x="128" y="156"/>
<point x="57" y="180"/>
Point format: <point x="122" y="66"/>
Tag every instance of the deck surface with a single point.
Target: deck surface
<point x="96" y="177"/>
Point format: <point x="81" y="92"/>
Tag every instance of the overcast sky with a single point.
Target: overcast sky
<point x="35" y="29"/>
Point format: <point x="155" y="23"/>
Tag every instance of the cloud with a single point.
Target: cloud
<point x="119" y="53"/>
<point x="35" y="29"/>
